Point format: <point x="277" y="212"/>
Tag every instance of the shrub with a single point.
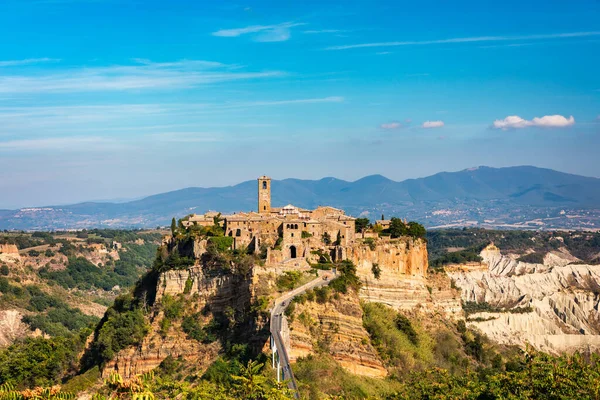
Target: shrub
<point x="404" y="324"/>
<point x="222" y="243"/>
<point x="38" y="361"/>
<point x="189" y="282"/>
<point x="289" y="311"/>
<point x="371" y="243"/>
<point x="376" y="271"/>
<point x="533" y="258"/>
<point x="123" y="325"/>
<point x="288" y="280"/>
<point x="322" y="294"/>
<point x="172" y="306"/>
<point x="82" y="382"/>
<point x="347" y="277"/>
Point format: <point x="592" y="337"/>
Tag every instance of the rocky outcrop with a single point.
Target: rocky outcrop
<point x="9" y="253"/>
<point x="402" y="266"/>
<point x="210" y="294"/>
<point x="99" y="253"/>
<point x="402" y="258"/>
<point x="155" y="348"/>
<point x="335" y="327"/>
<point x="11" y="327"/>
<point x="218" y="291"/>
<point x="403" y="282"/>
<point x="562" y="300"/>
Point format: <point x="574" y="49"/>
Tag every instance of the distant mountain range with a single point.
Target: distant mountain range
<point x="475" y="196"/>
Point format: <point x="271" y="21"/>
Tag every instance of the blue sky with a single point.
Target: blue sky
<point x="104" y="99"/>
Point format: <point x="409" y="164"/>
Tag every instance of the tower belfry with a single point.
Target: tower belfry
<point x="264" y="195"/>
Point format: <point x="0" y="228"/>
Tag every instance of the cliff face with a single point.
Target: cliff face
<point x="562" y="300"/>
<point x="203" y="294"/>
<point x="335" y="327"/>
<point x="403" y="282"/>
<point x="9" y="253"/>
<point x="406" y="257"/>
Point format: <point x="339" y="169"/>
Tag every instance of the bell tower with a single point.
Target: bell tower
<point x="264" y="195"/>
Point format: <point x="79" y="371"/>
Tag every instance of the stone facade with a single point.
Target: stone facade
<point x="293" y="231"/>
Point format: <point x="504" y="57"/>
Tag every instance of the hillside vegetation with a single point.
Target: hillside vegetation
<point x="426" y="356"/>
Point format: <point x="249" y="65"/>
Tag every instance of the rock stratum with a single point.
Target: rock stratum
<point x="552" y="306"/>
<point x="335" y="325"/>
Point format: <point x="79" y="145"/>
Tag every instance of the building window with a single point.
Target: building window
<point x="264" y="184"/>
<point x="292" y="235"/>
<point x="238" y="232"/>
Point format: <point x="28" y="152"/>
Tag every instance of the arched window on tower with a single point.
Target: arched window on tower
<point x="264" y="184"/>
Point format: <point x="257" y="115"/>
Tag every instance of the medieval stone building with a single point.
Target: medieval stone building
<point x="288" y="232"/>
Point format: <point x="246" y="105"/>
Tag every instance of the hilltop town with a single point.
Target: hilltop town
<point x="290" y="234"/>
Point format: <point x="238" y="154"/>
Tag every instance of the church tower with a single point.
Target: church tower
<point x="264" y="195"/>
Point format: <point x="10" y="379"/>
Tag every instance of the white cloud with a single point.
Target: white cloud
<point x="553" y="121"/>
<point x="144" y="75"/>
<point x="28" y="61"/>
<point x="433" y="124"/>
<point x="548" y="121"/>
<point x="391" y="125"/>
<point x="465" y="40"/>
<point x="262" y="33"/>
<point x="511" y="122"/>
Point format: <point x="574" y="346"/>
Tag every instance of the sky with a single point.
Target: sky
<point x="115" y="99"/>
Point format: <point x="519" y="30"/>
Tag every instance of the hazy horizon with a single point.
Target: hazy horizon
<point x="128" y="199"/>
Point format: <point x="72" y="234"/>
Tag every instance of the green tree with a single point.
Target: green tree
<point x="338" y="239"/>
<point x="397" y="228"/>
<point x="361" y="224"/>
<point x="250" y="384"/>
<point x="376" y="269"/>
<point x="326" y="239"/>
<point x="173" y="226"/>
<point x="416" y="230"/>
